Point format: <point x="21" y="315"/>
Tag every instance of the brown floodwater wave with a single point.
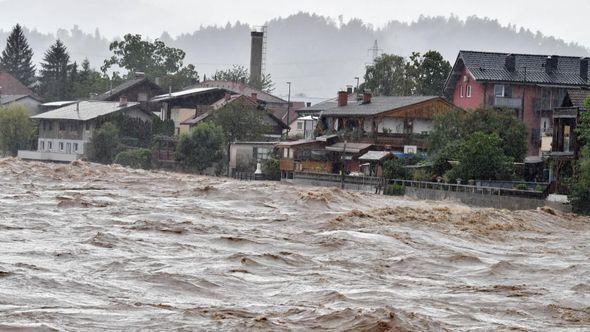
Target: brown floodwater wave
<point x="94" y="247"/>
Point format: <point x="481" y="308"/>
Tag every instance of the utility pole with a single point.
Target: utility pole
<point x="375" y="50"/>
<point x="288" y="110"/>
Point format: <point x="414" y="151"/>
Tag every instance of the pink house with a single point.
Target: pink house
<point x="531" y="85"/>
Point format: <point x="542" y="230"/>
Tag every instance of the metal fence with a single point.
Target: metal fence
<point x="379" y="184"/>
<point x="482" y="190"/>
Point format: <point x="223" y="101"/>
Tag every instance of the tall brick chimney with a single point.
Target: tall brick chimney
<point x="256" y="56"/>
<point x="551" y="64"/>
<point x="342" y="98"/>
<point x="510" y="63"/>
<point x="584" y="68"/>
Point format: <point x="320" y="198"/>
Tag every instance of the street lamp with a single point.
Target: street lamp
<point x="288" y="110"/>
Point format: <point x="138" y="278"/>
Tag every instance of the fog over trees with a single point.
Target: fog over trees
<point x="318" y="54"/>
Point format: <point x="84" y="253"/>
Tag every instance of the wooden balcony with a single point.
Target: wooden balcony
<point x="287" y="165"/>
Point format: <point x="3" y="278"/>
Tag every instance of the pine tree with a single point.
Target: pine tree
<point x="17" y="57"/>
<point x="56" y="73"/>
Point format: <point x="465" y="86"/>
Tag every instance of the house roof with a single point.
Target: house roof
<point x="376" y="106"/>
<point x="182" y="94"/>
<point x="529" y="69"/>
<point x="375" y="155"/>
<point x="350" y="147"/>
<point x="578" y="96"/>
<point x="129" y="84"/>
<point x="324" y="105"/>
<point x="7" y="99"/>
<point x="85" y="110"/>
<point x="58" y="103"/>
<point x="242" y="89"/>
<point x="9" y="85"/>
<point x="222" y="102"/>
<point x="290" y="144"/>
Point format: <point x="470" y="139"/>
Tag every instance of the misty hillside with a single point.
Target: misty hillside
<point x="320" y="55"/>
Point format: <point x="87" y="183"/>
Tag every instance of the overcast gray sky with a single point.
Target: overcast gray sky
<point x="564" y="19"/>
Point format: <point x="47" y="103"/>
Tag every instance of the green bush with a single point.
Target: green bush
<point x="395" y="190"/>
<point x="201" y="148"/>
<point x="104" y="143"/>
<point x="271" y="169"/>
<point x="137" y="158"/>
<point x="421" y="174"/>
<point x="521" y="186"/>
<point x="395" y="169"/>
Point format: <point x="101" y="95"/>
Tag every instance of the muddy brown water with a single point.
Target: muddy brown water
<point x="90" y="247"/>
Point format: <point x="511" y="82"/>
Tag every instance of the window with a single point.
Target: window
<point x="61" y="146"/>
<point x="261" y="154"/>
<point x="299" y="125"/>
<point x="88" y="125"/>
<point x="49" y="125"/>
<point x="44" y="125"/>
<point x="469" y="91"/>
<point x="465" y="78"/>
<point x="74" y="126"/>
<point x="75" y="147"/>
<point x="462" y="91"/>
<point x="499" y="90"/>
<point x="62" y="126"/>
<point x="42" y="145"/>
<point x="50" y="145"/>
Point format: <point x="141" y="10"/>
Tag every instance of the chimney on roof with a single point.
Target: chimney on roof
<point x="367" y="96"/>
<point x="257" y="46"/>
<point x="551" y="64"/>
<point x="139" y="74"/>
<point x="342" y="98"/>
<point x="510" y="63"/>
<point x="584" y="68"/>
<point x="308" y="104"/>
<point x="123" y="101"/>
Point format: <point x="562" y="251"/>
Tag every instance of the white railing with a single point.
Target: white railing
<point x="51" y="156"/>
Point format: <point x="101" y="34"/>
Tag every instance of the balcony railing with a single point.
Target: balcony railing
<point x="506" y="102"/>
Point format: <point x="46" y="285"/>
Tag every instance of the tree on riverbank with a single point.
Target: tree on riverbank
<point x="16" y="129"/>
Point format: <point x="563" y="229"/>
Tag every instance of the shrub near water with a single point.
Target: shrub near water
<point x="138" y="158"/>
<point x="395" y="190"/>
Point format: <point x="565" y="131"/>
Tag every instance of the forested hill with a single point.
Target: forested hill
<point x="318" y="54"/>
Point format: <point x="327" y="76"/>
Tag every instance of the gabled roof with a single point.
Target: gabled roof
<point x="577" y="97"/>
<point x="9" y="85"/>
<point x="222" y="102"/>
<point x="7" y="99"/>
<point x="377" y="105"/>
<point x="85" y="110"/>
<point x="528" y="69"/>
<point x="182" y="94"/>
<point x="242" y="89"/>
<point x="349" y="147"/>
<point x="125" y="86"/>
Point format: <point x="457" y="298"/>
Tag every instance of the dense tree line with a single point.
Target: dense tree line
<point x="393" y="75"/>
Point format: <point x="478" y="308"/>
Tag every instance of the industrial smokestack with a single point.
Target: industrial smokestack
<point x="256" y="56"/>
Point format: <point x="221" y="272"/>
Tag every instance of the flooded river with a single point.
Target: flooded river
<point x="89" y="247"/>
